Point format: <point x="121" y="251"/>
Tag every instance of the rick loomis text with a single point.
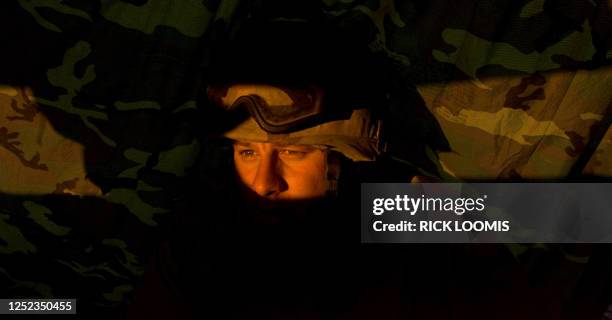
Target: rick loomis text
<point x="440" y="207"/>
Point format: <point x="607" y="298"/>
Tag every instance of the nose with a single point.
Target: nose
<point x="268" y="180"/>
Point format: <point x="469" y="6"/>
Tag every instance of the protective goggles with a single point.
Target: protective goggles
<point x="276" y="109"/>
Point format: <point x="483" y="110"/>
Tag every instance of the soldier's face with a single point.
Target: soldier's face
<point x="281" y="172"/>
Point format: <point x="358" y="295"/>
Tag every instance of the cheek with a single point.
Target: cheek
<point x="243" y="169"/>
<point x="308" y="178"/>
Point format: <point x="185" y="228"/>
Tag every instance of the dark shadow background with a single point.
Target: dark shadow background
<point x="169" y="67"/>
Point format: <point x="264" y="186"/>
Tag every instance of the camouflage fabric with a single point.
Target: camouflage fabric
<point x="94" y="141"/>
<point x="97" y="102"/>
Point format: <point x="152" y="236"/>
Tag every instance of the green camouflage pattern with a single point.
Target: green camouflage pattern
<point x="97" y="101"/>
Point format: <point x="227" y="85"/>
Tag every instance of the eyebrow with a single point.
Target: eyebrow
<point x="242" y="144"/>
<point x="300" y="146"/>
<point x="247" y="144"/>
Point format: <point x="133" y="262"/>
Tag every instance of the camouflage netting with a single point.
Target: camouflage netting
<point x="97" y="100"/>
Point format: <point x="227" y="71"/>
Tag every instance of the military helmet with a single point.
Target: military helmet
<point x="300" y="116"/>
<point x="300" y="83"/>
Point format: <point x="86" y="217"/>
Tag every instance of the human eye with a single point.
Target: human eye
<point x="293" y="154"/>
<point x="247" y="154"/>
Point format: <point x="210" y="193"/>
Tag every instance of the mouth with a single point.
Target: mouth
<point x="275" y="202"/>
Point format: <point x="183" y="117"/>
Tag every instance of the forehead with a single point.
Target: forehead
<point x="252" y="144"/>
